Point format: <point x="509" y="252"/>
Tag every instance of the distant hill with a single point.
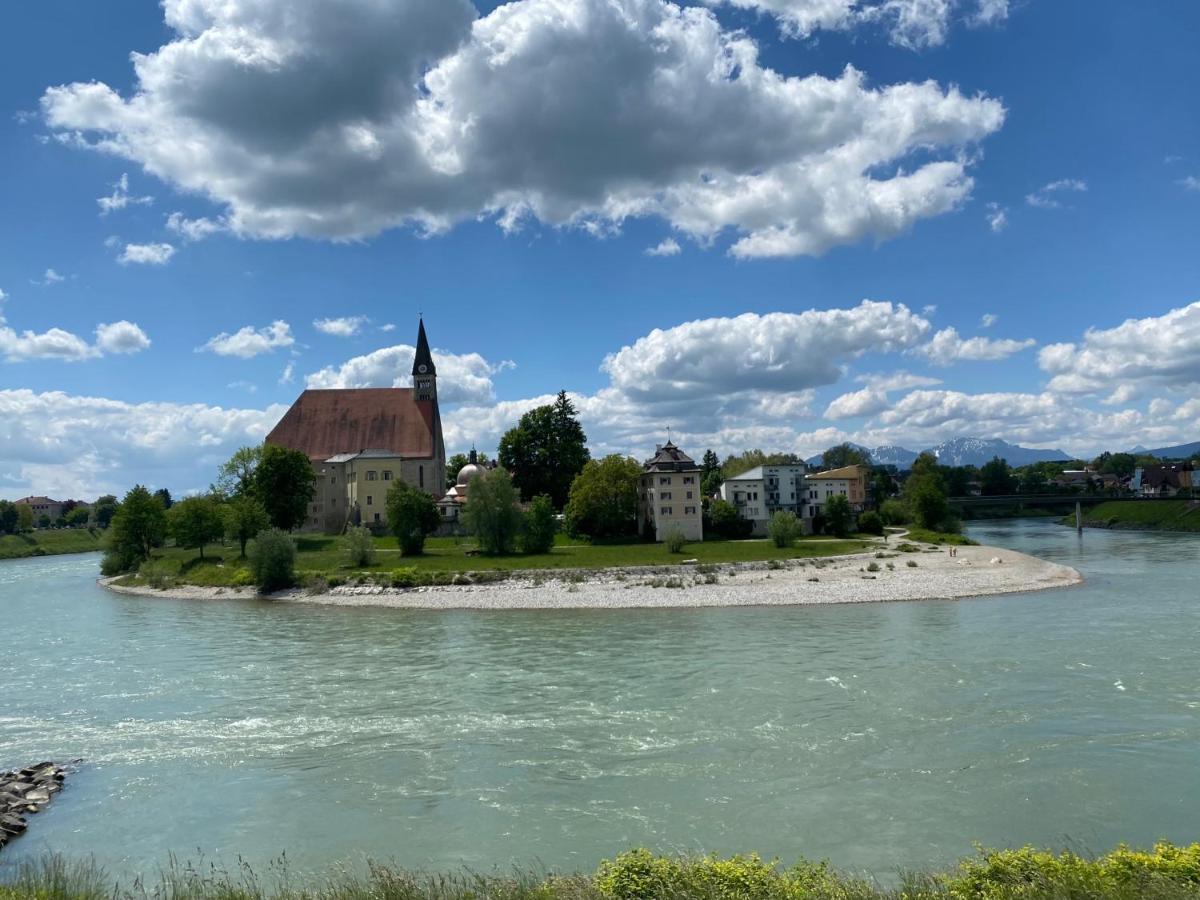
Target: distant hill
<point x="961" y="451"/>
<point x="1179" y="451"/>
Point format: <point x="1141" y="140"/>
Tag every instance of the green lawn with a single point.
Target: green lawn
<point x="324" y="557"/>
<point x="48" y="542"/>
<point x="1155" y="515"/>
<point x="938" y="537"/>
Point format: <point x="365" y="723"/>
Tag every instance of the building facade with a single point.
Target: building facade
<point x="42" y="507"/>
<point x="765" y="490"/>
<point x="848" y="481"/>
<point x="361" y="440"/>
<point x="669" y="495"/>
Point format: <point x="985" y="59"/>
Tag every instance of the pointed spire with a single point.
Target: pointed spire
<point x="423" y="357"/>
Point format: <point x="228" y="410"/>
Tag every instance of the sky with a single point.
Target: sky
<point x="772" y="224"/>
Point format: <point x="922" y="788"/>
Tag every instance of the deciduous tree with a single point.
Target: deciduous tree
<point x="194" y="522"/>
<point x="845" y="455"/>
<point x="8" y="517"/>
<point x="603" y="500"/>
<point x="139" y="526"/>
<point x="236" y="477"/>
<point x="537" y="534"/>
<point x="284" y="483"/>
<point x="245" y="517"/>
<point x="838" y="515"/>
<point x="412" y="516"/>
<point x="492" y="514"/>
<point x="105" y="509"/>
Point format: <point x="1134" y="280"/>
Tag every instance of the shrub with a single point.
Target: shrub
<point x="723" y="520"/>
<point x="405" y="577"/>
<point x="912" y="563"/>
<point x="870" y="522"/>
<point x="273" y="560"/>
<point x="894" y="512"/>
<point x="360" y="546"/>
<point x="784" y="528"/>
<point x="873" y="567"/>
<point x="537" y="533"/>
<point x="242" y="578"/>
<point x="155" y="573"/>
<point x="492" y="515"/>
<point x="412" y="516"/>
<point x="675" y="539"/>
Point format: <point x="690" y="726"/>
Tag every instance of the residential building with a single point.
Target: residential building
<point x="765" y="490"/>
<point x="360" y="440"/>
<point x="42" y="506"/>
<point x="669" y="495"/>
<point x="1162" y="480"/>
<point x="848" y="481"/>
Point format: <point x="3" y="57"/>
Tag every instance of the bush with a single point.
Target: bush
<point x="360" y="546"/>
<point x="894" y="512"/>
<point x="537" y="533"/>
<point x="405" y="577"/>
<point x="675" y="539"/>
<point x="870" y="522"/>
<point x="784" y="528"/>
<point x="723" y="520"/>
<point x="273" y="560"/>
<point x="492" y="515"/>
<point x="412" y="516"/>
<point x="873" y="567"/>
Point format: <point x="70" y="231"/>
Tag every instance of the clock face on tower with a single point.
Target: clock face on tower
<point x="422" y="368"/>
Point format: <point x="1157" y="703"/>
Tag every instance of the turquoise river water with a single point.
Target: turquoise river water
<point x="881" y="736"/>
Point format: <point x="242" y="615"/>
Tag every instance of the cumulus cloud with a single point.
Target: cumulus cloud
<point x="347" y="326"/>
<point x="866" y="402"/>
<point x="889" y="382"/>
<point x="120" y="197"/>
<point x="462" y="378"/>
<point x="947" y="348"/>
<point x="250" y="341"/>
<point x="666" y="247"/>
<point x="146" y="254"/>
<point x="79" y="446"/>
<point x="425" y="114"/>
<point x="1141" y="354"/>
<point x="193" y="229"/>
<point x="121" y="337"/>
<point x="1046" y="197"/>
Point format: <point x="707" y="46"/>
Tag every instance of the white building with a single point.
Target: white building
<point x="765" y="490"/>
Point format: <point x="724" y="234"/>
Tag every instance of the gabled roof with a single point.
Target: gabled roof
<point x="325" y="423"/>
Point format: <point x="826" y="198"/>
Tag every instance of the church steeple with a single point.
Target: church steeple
<point x="423" y="371"/>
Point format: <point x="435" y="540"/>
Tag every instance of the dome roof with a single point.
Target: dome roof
<point x="469" y="471"/>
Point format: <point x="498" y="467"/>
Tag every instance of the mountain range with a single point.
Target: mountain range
<point x="961" y="451"/>
<point x="1179" y="451"/>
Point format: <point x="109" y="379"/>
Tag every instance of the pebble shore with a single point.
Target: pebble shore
<point x="935" y="575"/>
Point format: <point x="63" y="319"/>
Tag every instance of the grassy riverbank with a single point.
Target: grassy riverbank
<point x="323" y="560"/>
<point x="49" y="542"/>
<point x="1166" y="872"/>
<point x="1142" y="515"/>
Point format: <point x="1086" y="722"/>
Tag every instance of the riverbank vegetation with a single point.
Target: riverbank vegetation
<point x="48" y="542"/>
<point x="1165" y="872"/>
<point x="1142" y="515"/>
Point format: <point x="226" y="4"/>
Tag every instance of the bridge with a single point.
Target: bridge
<point x="1042" y="501"/>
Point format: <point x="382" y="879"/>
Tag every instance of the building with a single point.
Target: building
<point x="765" y="490"/>
<point x="848" y="481"/>
<point x="42" y="506"/>
<point x="669" y="495"/>
<point x="360" y="440"/>
<point x="450" y="506"/>
<point x="1162" y="480"/>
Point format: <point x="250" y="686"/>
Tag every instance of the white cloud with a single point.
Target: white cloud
<point x="462" y="378"/>
<point x="425" y="114"/>
<point x="288" y="375"/>
<point x="389" y="326"/>
<point x="54" y="343"/>
<point x="997" y="217"/>
<point x="146" y="254"/>
<point x="249" y="341"/>
<point x="121" y="198"/>
<point x="347" y="326"/>
<point x="1147" y="354"/>
<point x="947" y="348"/>
<point x="889" y="382"/>
<point x="121" y="337"/>
<point x="1045" y="196"/>
<point x="193" y="229"/>
<point x="248" y="386"/>
<point x="1191" y="183"/>
<point x="666" y="247"/>
<point x="52" y="277"/>
<point x="866" y="402"/>
<point x="987" y="320"/>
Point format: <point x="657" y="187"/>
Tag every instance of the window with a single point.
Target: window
<point x="332" y="480"/>
<point x="369" y="499"/>
<point x="376" y="517"/>
<point x="688" y="479"/>
<point x="387" y="474"/>
<point x="666" y="495"/>
<point x="689" y="495"/>
<point x="372" y="475"/>
<point x="689" y="510"/>
<point x="665" y="510"/>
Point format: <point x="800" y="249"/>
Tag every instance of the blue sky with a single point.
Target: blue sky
<point x="1026" y="174"/>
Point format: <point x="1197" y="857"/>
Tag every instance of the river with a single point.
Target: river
<point x="880" y="736"/>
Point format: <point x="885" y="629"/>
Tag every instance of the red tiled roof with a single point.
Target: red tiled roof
<point x="323" y="423"/>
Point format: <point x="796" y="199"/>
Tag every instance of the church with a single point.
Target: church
<point x="360" y="440"/>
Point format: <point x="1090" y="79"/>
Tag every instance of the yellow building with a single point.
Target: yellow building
<point x="669" y="495"/>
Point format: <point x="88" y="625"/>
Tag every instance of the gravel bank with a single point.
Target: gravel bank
<point x="974" y="572"/>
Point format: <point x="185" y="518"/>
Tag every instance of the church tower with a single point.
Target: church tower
<point x="424" y="374"/>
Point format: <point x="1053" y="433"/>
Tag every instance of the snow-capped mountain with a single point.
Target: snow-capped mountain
<point x="892" y="455"/>
<point x="967" y="451"/>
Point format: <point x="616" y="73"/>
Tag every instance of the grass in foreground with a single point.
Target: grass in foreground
<point x="1150" y="515"/>
<point x="1165" y="872"/>
<point x="49" y="542"/>
<point x="322" y="558"/>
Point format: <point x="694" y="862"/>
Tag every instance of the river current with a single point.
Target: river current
<point x="881" y="736"/>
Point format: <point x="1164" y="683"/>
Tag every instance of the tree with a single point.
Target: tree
<point x="995" y="478"/>
<point x="711" y="475"/>
<point x="273" y="560"/>
<point x="9" y="517"/>
<point x="245" y="517"/>
<point x="784" y="528"/>
<point x="926" y="500"/>
<point x="360" y="546"/>
<point x="545" y="451"/>
<point x="44" y="521"/>
<point x="237" y="475"/>
<point x="870" y="522"/>
<point x="139" y="526"/>
<point x="105" y="509"/>
<point x="735" y="465"/>
<point x="882" y="485"/>
<point x="603" y="499"/>
<point x="724" y="520"/>
<point x="194" y="522"/>
<point x="537" y="536"/>
<point x="894" y="512"/>
<point x="492" y="514"/>
<point x="838" y="515"/>
<point x="957" y="479"/>
<point x="1119" y="464"/>
<point x="845" y="455"/>
<point x="24" y="518"/>
<point x="285" y="482"/>
<point x="78" y="517"/>
<point x="164" y="497"/>
<point x="412" y="516"/>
